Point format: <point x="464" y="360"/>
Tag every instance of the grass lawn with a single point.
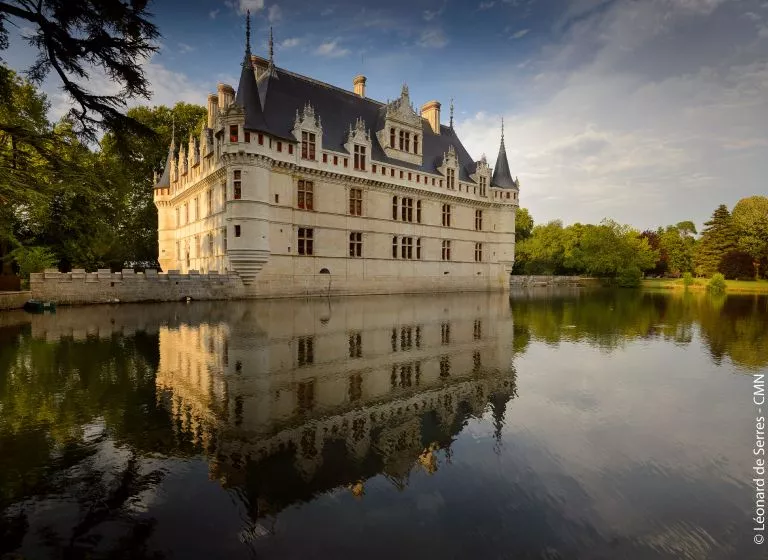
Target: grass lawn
<point x="733" y="286"/>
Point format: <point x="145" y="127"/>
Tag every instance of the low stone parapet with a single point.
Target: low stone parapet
<point x="532" y="281"/>
<point x="105" y="286"/>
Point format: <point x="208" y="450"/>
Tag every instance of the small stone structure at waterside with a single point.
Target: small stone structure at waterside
<point x="542" y="280"/>
<point x="105" y="286"/>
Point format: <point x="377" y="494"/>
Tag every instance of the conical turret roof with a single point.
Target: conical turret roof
<point x="247" y="95"/>
<point x="502" y="177"/>
<point x="165" y="179"/>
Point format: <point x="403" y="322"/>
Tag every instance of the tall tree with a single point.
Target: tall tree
<point x="750" y="219"/>
<point x="717" y="239"/>
<point x="72" y="38"/>
<point x="678" y="246"/>
<point x="523" y="224"/>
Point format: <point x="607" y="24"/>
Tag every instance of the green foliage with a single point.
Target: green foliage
<point x="33" y="259"/>
<point x="544" y="251"/>
<point x="687" y="279"/>
<point x="736" y="265"/>
<point x="750" y="219"/>
<point x="718" y="238"/>
<point x="686" y="227"/>
<point x="630" y="277"/>
<point x="678" y="247"/>
<point x="523" y="224"/>
<point x="716" y="284"/>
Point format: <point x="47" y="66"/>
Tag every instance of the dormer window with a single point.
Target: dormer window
<point x="405" y="141"/>
<point x="359" y="157"/>
<point x="450" y="176"/>
<point x="308" y="142"/>
<point x="483" y="184"/>
<point x="415" y="143"/>
<point x="392" y="137"/>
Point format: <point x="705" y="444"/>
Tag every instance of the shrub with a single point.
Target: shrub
<point x="716" y="283"/>
<point x="687" y="279"/>
<point x="630" y="277"/>
<point x="33" y="259"/>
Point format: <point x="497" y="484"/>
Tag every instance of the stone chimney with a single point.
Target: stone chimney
<point x="358" y="82"/>
<point x="213" y="109"/>
<point x="260" y="65"/>
<point x="431" y="111"/>
<point x="226" y="96"/>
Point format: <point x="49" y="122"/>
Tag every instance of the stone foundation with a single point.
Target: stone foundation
<point x="80" y="287"/>
<point x="542" y="280"/>
<point x="13" y="300"/>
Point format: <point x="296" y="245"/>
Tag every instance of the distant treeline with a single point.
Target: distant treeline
<point x="732" y="243"/>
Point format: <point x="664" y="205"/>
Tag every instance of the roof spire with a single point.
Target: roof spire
<point x="502" y="130"/>
<point x="271" y="46"/>
<point x="501" y="175"/>
<point x="247" y="58"/>
<point x="451" y="112"/>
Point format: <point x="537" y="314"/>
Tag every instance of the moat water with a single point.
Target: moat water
<point x="552" y="425"/>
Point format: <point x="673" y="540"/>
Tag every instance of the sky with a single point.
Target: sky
<point x="648" y="112"/>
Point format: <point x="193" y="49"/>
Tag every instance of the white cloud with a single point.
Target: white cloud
<point x="274" y="13"/>
<point x="331" y="49"/>
<point x="289" y="43"/>
<point x="213" y="13"/>
<point x="486" y="5"/>
<point x="429" y="15"/>
<point x="242" y="6"/>
<point x="639" y="113"/>
<point x="185" y="48"/>
<point x="520" y="34"/>
<point x="328" y="11"/>
<point x="433" y="38"/>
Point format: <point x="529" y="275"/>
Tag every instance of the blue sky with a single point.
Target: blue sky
<point x="649" y="112"/>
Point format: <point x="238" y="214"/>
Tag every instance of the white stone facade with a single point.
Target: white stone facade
<point x="237" y="201"/>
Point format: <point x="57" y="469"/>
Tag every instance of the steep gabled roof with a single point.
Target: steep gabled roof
<point x="287" y="93"/>
<point x="502" y="177"/>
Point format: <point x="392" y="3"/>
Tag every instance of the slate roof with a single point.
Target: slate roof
<point x="165" y="179"/>
<point x="285" y="92"/>
<point x="247" y="95"/>
<point x="502" y="177"/>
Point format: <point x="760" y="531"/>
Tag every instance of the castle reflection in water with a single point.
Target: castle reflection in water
<point x="291" y="398"/>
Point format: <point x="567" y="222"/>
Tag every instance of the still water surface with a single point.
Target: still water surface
<point x="606" y="425"/>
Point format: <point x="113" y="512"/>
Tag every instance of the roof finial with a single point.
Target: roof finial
<point x="271" y="46"/>
<point x="173" y="130"/>
<point x="451" y="122"/>
<point x="502" y="130"/>
<point x="247" y="59"/>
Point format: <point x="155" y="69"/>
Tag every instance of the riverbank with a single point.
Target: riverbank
<point x="732" y="286"/>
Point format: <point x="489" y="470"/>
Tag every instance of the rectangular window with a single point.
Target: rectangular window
<point x="237" y="231"/>
<point x="355" y="244"/>
<point x="237" y="189"/>
<point x="401" y="174"/>
<point x="308" y="145"/>
<point x="346" y="162"/>
<point x="223" y="194"/>
<point x="391" y="137"/>
<point x="407" y="141"/>
<point x="210" y="244"/>
<point x="196" y="213"/>
<point x="394" y="207"/>
<point x="418" y="249"/>
<point x="306" y="356"/>
<point x="306" y="241"/>
<point x="433" y="181"/>
<point x="335" y="160"/>
<point x="415" y="143"/>
<point x="478" y="252"/>
<point x="359" y="157"/>
<point x="446" y="250"/>
<point x="402" y="140"/>
<point x="233" y="133"/>
<point x="450" y="176"/>
<point x="247" y="136"/>
<point x="279" y="146"/>
<point x="261" y="139"/>
<point x="478" y="220"/>
<point x="325" y="158"/>
<point x="418" y="211"/>
<point x="483" y="185"/>
<point x="306" y="195"/>
<point x="356" y="349"/>
<point x="410" y="176"/>
<point x="290" y="149"/>
<point x="394" y="247"/>
<point x="224" y="239"/>
<point x="418" y="178"/>
<point x="446" y="215"/>
<point x="406" y="248"/>
<point x="406" y="213"/>
<point x="209" y="202"/>
<point x="356" y="202"/>
<point x="391" y="172"/>
<point x="373" y="168"/>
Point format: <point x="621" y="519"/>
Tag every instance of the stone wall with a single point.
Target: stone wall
<point x="13" y="300"/>
<point x="542" y="280"/>
<point x="104" y="286"/>
<point x="80" y="287"/>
